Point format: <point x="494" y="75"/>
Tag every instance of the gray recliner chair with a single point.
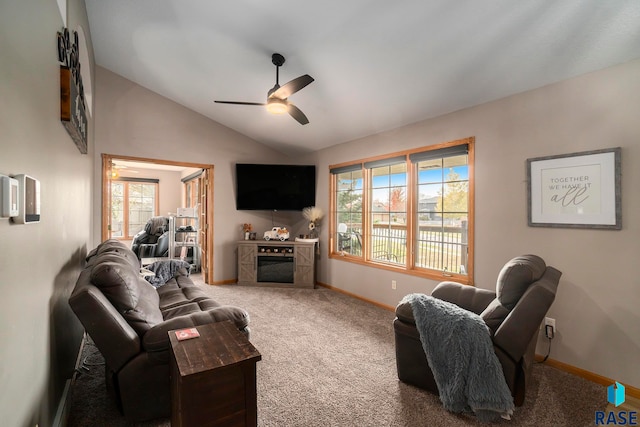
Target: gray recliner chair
<point x="153" y="240"/>
<point x="525" y="289"/>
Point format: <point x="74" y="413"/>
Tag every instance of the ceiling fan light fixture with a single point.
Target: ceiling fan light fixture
<point x="277" y="97"/>
<point x="277" y="106"/>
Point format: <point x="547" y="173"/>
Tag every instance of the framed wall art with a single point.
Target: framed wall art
<point x="578" y="190"/>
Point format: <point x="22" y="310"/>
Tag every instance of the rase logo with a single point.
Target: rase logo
<point x="615" y="396"/>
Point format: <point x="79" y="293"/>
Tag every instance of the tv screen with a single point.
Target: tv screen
<point x="275" y="187"/>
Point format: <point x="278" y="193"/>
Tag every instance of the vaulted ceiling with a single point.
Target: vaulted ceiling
<point x="377" y="64"/>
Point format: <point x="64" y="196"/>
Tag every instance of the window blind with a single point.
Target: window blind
<point x="456" y="150"/>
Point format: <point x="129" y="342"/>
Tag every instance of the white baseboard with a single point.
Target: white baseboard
<point x="62" y="414"/>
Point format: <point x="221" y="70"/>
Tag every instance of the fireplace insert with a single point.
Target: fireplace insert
<point x="275" y="265"/>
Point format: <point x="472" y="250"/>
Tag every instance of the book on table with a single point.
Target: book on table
<point x="186" y="334"/>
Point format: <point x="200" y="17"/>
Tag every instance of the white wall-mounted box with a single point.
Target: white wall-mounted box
<point x="28" y="200"/>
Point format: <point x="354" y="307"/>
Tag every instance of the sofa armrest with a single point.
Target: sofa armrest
<point x="464" y="296"/>
<point x="157" y="338"/>
<point x="114" y="337"/>
<point x="404" y="313"/>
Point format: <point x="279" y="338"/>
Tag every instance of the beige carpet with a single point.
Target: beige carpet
<point x="328" y="360"/>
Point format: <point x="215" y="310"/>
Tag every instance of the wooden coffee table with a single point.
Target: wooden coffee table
<point x="213" y="378"/>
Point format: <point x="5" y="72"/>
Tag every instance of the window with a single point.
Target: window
<point x="133" y="203"/>
<point x="410" y="211"/>
<point x="348" y="214"/>
<point x="192" y="189"/>
<point x="442" y="214"/>
<point x="387" y="226"/>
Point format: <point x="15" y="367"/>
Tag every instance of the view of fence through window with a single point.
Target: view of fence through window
<point x="442" y="214"/>
<point x="117" y="209"/>
<point x="440" y="196"/>
<point x="388" y="211"/>
<point x="132" y="205"/>
<point x="349" y="187"/>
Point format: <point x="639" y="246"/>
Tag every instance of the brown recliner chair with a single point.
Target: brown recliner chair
<point x="525" y="290"/>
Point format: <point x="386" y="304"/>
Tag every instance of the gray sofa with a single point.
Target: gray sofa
<point x="525" y="289"/>
<point x="129" y="320"/>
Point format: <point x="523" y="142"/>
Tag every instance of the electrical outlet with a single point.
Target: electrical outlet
<point x="548" y="321"/>
<point x="549" y="327"/>
<point x="549" y="332"/>
<point x="393" y="284"/>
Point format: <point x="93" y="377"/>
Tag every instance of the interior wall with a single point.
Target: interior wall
<point x="169" y="191"/>
<point x="40" y="262"/>
<point x="133" y="121"/>
<point x="596" y="308"/>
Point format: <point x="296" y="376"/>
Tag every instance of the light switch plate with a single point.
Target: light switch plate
<point x="10" y="191"/>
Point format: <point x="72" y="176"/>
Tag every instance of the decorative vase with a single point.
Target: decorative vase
<point x="246" y="235"/>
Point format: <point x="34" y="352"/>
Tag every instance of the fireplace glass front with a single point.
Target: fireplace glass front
<point x="276" y="269"/>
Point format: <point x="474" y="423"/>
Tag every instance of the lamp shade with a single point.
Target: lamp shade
<point x="277" y="106"/>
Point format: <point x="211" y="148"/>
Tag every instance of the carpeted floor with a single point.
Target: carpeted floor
<point x="329" y="360"/>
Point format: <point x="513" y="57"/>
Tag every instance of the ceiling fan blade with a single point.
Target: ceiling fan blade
<point x="292" y="87"/>
<point x="240" y="103"/>
<point x="297" y="114"/>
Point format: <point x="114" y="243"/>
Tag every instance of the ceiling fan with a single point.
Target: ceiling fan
<point x="277" y="102"/>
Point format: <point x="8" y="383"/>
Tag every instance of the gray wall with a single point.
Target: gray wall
<point x="39" y="263"/>
<point x="596" y="309"/>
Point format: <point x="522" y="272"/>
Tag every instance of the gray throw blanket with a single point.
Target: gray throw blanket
<point x="165" y="270"/>
<point x="460" y="352"/>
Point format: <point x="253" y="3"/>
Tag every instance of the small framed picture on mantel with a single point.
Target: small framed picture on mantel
<point x="578" y="190"/>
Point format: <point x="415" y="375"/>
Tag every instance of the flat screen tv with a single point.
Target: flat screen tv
<point x="275" y="187"/>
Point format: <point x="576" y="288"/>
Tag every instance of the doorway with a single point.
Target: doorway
<point x="202" y="198"/>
